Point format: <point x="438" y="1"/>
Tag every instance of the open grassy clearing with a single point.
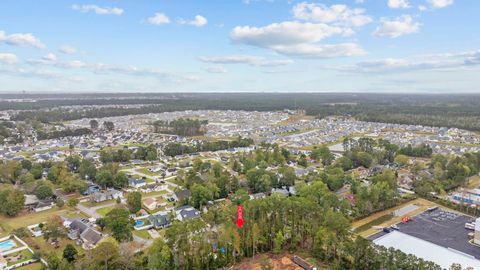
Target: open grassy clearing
<point x="365" y="226"/>
<point x="25" y="219"/>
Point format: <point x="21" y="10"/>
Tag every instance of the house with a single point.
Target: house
<point x="159" y="221"/>
<point x="43" y="205"/>
<point x="90" y="238"/>
<point x="31" y="200"/>
<point x="257" y="196"/>
<point x="92" y="189"/>
<point x="187" y="212"/>
<point x="81" y="230"/>
<point x="105" y="196"/>
<point x="136" y="183"/>
<point x="150" y="203"/>
<point x="182" y="195"/>
<point x="281" y="191"/>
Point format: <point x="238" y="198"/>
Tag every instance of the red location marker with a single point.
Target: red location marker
<point x="240" y="220"/>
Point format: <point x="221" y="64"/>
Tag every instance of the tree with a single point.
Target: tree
<point x="93" y="124"/>
<point x="104" y="178"/>
<point x="59" y="202"/>
<point x="200" y="195"/>
<point x="134" y="201"/>
<point x="36" y="171"/>
<point x="54" y="229"/>
<point x="401" y="160"/>
<point x="87" y="169"/>
<point x="72" y="202"/>
<point x="26" y="164"/>
<point x="120" y="180"/>
<point x="70" y="253"/>
<point x="43" y="191"/>
<point x="101" y="222"/>
<point x="323" y="153"/>
<point x="11" y="201"/>
<point x="278" y="242"/>
<point x="108" y="125"/>
<point x="159" y="256"/>
<point x="240" y="197"/>
<point x="119" y="222"/>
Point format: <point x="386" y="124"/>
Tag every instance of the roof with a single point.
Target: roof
<point x="188" y="212"/>
<point x="442" y="256"/>
<point x="78" y="225"/>
<point x="135" y="181"/>
<point x="182" y="194"/>
<point x="159" y="220"/>
<point x="149" y="201"/>
<point x="91" y="236"/>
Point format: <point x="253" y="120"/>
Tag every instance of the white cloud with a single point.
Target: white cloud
<point x="9" y="59"/>
<point x="158" y="19"/>
<point x="199" y="21"/>
<point x="335" y="14"/>
<point x="245" y="59"/>
<point x="216" y="69"/>
<point x="398" y="4"/>
<point x="422" y="62"/>
<point x="422" y="8"/>
<point x="50" y="57"/>
<point x="397" y="27"/>
<point x="440" y="3"/>
<point x="21" y="39"/>
<point x="284" y="33"/>
<point x="67" y="49"/>
<point x="296" y="38"/>
<point x="98" y="10"/>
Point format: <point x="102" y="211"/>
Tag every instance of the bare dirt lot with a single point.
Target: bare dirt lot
<point x="277" y="261"/>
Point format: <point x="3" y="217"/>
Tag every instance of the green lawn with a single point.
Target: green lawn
<point x="32" y="266"/>
<point x="26" y="255"/>
<point x="161" y="192"/>
<point x="39" y="244"/>
<point x="26" y="219"/>
<point x="90" y="204"/>
<point x="143" y="234"/>
<point x="104" y="211"/>
<point x="147" y="172"/>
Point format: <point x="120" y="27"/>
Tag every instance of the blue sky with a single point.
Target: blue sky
<point x="407" y="46"/>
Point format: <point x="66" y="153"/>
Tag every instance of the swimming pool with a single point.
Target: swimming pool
<point x="7" y="245"/>
<point x="139" y="223"/>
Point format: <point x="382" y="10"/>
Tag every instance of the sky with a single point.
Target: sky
<point x="392" y="46"/>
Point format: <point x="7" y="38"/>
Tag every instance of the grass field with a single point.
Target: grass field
<point x="93" y="204"/>
<point x="32" y="266"/>
<point x="26" y="255"/>
<point x="147" y="172"/>
<point x="364" y="226"/>
<point x="104" y="211"/>
<point x="143" y="234"/>
<point x="25" y="219"/>
<point x="473" y="182"/>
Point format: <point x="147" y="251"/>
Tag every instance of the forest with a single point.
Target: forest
<point x="181" y="126"/>
<point x="460" y="111"/>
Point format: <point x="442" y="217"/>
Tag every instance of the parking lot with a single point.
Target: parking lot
<point x="446" y="229"/>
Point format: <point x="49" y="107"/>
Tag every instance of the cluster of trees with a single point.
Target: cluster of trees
<point x="459" y="111"/>
<point x="182" y="126"/>
<point x="174" y="149"/>
<point x="423" y="150"/>
<point x="124" y="155"/>
<point x="448" y="172"/>
<point x="42" y="135"/>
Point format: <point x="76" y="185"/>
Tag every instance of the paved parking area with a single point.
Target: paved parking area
<point x="440" y="227"/>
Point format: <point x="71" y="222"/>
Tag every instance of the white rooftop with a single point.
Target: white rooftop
<point x="442" y="256"/>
